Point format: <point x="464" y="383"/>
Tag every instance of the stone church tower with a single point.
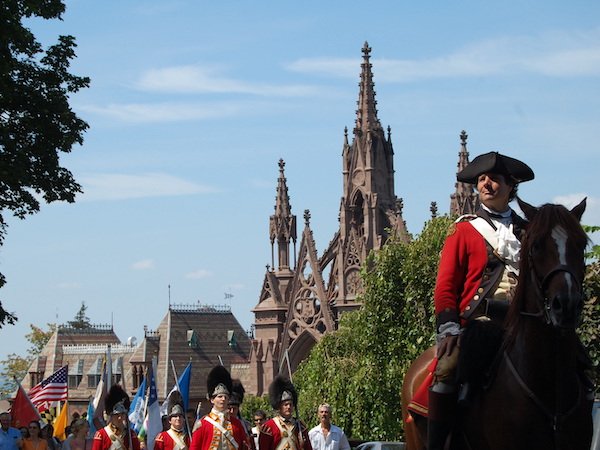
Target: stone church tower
<point x="465" y="199"/>
<point x="297" y="305"/>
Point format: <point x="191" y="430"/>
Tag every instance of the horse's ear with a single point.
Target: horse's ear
<point x="529" y="210"/>
<point x="578" y="210"/>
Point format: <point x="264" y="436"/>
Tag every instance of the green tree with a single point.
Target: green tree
<point x="81" y="320"/>
<point x="252" y="403"/>
<point x="15" y="367"/>
<point x="359" y="368"/>
<point x="36" y="120"/>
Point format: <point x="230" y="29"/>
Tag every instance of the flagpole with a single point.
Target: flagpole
<point x="187" y="425"/>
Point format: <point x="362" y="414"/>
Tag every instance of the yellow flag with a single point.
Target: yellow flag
<point x="61" y="422"/>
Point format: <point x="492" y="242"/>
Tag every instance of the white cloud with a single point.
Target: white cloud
<point x="165" y="112"/>
<point x="559" y="54"/>
<point x="199" y="274"/>
<point x="202" y="80"/>
<point x="125" y="186"/>
<point x="144" y="264"/>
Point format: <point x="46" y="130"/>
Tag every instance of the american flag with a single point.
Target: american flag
<point x="52" y="389"/>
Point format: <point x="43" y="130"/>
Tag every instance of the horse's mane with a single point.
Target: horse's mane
<point x="539" y="229"/>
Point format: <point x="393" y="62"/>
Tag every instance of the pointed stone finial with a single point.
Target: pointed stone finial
<point x="366" y="50"/>
<point x="268" y="266"/>
<point x="434" y="210"/>
<point x="307" y="217"/>
<point x="463" y="137"/>
<point x="399" y="206"/>
<point x="281" y="164"/>
<point x="389" y="136"/>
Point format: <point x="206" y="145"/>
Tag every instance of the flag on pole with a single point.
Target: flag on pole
<point x="96" y="418"/>
<point x="22" y="410"/>
<point x="183" y="386"/>
<point x="136" y="409"/>
<point x="152" y="421"/>
<point x="90" y="417"/>
<point x="52" y="389"/>
<point x="61" y="422"/>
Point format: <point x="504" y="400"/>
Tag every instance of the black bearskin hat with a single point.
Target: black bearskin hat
<point x="282" y="389"/>
<point x="117" y="401"/>
<point x="218" y="382"/>
<point x="237" y="393"/>
<point x="175" y="404"/>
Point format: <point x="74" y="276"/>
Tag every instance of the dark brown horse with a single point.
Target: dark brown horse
<point x="536" y="398"/>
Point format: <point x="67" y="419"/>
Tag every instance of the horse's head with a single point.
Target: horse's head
<point x="552" y="256"/>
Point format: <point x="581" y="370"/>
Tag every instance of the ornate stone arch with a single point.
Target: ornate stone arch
<point x="300" y="349"/>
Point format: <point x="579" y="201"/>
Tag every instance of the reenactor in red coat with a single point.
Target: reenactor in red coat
<point x="283" y="432"/>
<point x="477" y="276"/>
<point x="176" y="437"/>
<point x="218" y="430"/>
<point x="116" y="435"/>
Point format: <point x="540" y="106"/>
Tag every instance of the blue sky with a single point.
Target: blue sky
<point x="192" y="103"/>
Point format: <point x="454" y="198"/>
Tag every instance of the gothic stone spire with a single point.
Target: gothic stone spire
<point x="464" y="200"/>
<point x="366" y="114"/>
<point x="282" y="224"/>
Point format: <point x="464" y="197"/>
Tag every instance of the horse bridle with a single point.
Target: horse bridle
<point x="544" y="303"/>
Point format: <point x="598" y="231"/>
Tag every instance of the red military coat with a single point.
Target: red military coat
<point x="462" y="264"/>
<point x="102" y="440"/>
<point x="295" y="435"/>
<point x="165" y="441"/>
<point x="207" y="436"/>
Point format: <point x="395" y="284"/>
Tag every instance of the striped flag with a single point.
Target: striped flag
<point x="52" y="389"/>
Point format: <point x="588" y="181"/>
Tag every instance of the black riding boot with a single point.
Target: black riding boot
<point x="442" y="410"/>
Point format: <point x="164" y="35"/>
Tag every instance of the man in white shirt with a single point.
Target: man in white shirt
<point x="327" y="436"/>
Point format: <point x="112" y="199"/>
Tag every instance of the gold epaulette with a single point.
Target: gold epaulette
<point x="266" y="430"/>
<point x="197" y="425"/>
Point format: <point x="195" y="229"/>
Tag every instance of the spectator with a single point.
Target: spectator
<point x="35" y="440"/>
<point x="10" y="438"/>
<point x="79" y="437"/>
<point x="327" y="436"/>
<point x="260" y="417"/>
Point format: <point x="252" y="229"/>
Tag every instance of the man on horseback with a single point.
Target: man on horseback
<point x="477" y="275"/>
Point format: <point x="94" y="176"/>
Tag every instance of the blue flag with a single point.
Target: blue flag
<point x="90" y="417"/>
<point x="153" y="420"/>
<point x="183" y="386"/>
<point x="136" y="409"/>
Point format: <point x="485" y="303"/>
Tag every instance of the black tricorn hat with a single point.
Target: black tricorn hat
<point x="282" y="389"/>
<point x="218" y="382"/>
<point x="237" y="393"/>
<point x="494" y="162"/>
<point x="175" y="404"/>
<point x="117" y="401"/>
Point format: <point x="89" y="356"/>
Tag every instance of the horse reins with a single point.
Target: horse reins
<point x="544" y="305"/>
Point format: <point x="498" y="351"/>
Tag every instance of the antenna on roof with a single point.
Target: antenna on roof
<point x="169" y="288"/>
<point x="229" y="296"/>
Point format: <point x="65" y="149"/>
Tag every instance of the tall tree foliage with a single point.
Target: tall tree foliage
<point x="359" y="368"/>
<point x="36" y="120"/>
<point x="81" y="320"/>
